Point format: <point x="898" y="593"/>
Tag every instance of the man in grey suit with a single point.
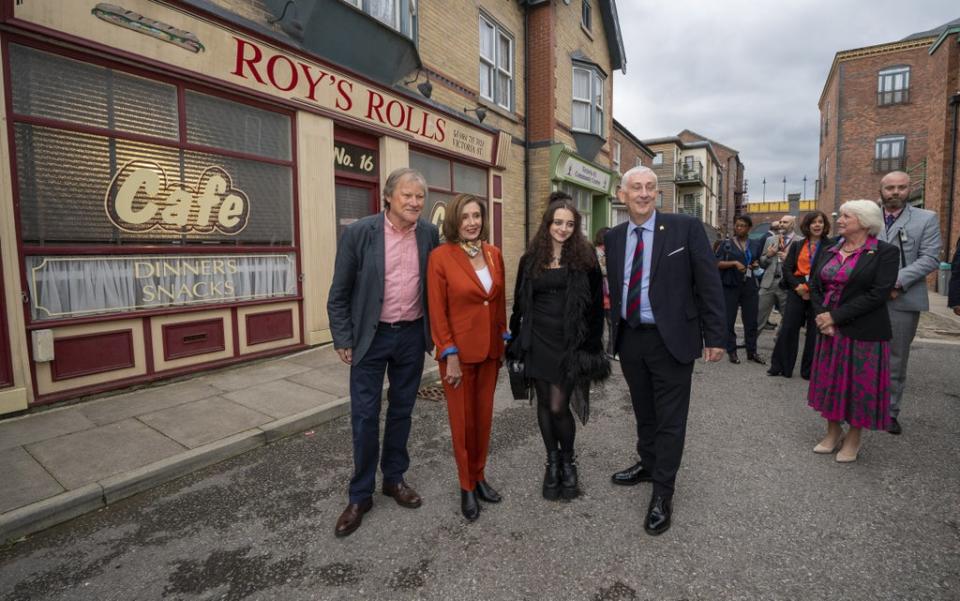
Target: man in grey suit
<point x="378" y="317"/>
<point x="774" y="252"/>
<point x="916" y="234"/>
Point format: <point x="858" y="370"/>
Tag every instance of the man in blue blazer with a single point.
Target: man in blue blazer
<point x="378" y="317"/>
<point x="916" y="234"/>
<point x="666" y="304"/>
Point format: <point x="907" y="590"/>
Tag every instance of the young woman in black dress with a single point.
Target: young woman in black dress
<point x="557" y="327"/>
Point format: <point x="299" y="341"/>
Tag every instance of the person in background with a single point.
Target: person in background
<point x="737" y="261"/>
<point x="376" y="309"/>
<point x="468" y="319"/>
<point x="557" y="322"/>
<point x="849" y="288"/>
<point x="916" y="234"/>
<point x="771" y="261"/>
<point x="602" y="260"/>
<point x="798" y="312"/>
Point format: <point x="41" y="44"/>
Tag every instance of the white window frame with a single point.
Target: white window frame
<point x="403" y="20"/>
<point x="616" y="156"/>
<point x="594" y="101"/>
<point x="893" y="85"/>
<point x="497" y="66"/>
<point x="657" y="159"/>
<point x="586" y="15"/>
<point x="883" y="151"/>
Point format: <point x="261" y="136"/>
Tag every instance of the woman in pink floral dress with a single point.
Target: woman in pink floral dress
<point x="850" y="284"/>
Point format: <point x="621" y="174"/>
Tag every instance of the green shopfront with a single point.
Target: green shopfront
<point x="592" y="187"/>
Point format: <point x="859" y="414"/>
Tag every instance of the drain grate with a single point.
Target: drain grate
<point x="431" y="392"/>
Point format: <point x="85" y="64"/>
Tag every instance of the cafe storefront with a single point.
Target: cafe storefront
<point x="173" y="188"/>
<point x="592" y="187"/>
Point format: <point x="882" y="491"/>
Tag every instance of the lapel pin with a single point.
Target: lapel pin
<point x="662" y="228"/>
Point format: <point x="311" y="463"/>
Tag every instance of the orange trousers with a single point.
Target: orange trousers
<point x="470" y="408"/>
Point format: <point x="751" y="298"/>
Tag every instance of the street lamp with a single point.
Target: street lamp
<point x="784" y="187"/>
<point x="804" y="188"/>
<point x="764" y="189"/>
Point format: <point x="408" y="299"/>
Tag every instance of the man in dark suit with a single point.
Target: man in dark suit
<point x="953" y="297"/>
<point x="378" y="317"/>
<point x="666" y="301"/>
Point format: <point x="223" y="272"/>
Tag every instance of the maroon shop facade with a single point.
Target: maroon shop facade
<point x="173" y="186"/>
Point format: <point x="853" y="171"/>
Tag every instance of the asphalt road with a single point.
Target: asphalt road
<point x="757" y="515"/>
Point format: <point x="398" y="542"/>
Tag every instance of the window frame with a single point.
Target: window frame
<point x="595" y="101"/>
<point x="889" y="163"/>
<point x="887" y="93"/>
<point x="586" y="15"/>
<point x="181" y="143"/>
<point x="657" y="159"/>
<point x="496" y="66"/>
<point x="401" y="9"/>
<point x="616" y="156"/>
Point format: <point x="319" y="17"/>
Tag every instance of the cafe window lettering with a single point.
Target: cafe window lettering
<point x="446" y="179"/>
<point x="100" y="160"/>
<point x="107" y="161"/>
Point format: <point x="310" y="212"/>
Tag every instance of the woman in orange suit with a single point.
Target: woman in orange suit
<point x="468" y="321"/>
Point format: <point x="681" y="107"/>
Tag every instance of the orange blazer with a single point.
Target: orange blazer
<point x="462" y="313"/>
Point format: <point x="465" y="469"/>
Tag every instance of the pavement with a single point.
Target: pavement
<point x="64" y="462"/>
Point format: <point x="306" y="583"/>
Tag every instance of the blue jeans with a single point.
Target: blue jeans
<point x="398" y="352"/>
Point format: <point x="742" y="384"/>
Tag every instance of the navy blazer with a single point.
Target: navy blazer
<point x="356" y="293"/>
<point x="685" y="291"/>
<point x="953" y="298"/>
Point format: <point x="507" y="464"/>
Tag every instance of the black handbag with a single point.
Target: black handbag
<point x="517" y="371"/>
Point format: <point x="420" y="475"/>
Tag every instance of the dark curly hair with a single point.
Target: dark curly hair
<point x="577" y="252"/>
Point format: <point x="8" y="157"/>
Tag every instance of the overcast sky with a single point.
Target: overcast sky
<point x="749" y="73"/>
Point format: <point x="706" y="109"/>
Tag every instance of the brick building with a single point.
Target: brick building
<point x="732" y="191"/>
<point x="628" y="152"/>
<point x="889" y="107"/>
<point x="175" y="174"/>
<point x="690" y="178"/>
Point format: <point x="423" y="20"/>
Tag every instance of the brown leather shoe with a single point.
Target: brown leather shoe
<point x="352" y="517"/>
<point x="403" y="495"/>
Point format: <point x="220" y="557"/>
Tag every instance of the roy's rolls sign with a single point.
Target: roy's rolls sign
<point x="236" y="59"/>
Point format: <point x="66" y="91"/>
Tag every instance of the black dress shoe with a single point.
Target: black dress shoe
<point x="658" y="515"/>
<point x="485" y="492"/>
<point x="635" y="474"/>
<point x="468" y="505"/>
<point x="772" y="372"/>
<point x="756" y="358"/>
<point x="894" y="427"/>
<point x="733" y="357"/>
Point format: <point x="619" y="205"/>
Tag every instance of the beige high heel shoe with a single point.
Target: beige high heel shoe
<point x="822" y="449"/>
<point x="847" y="457"/>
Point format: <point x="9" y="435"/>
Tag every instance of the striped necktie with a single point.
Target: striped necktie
<point x="636" y="281"/>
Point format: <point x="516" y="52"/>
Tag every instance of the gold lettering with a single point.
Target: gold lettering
<point x="141" y="178"/>
<point x="230" y="211"/>
<point x="161" y="292"/>
<point x="142" y="269"/>
<point x="178" y="208"/>
<point x="205" y="266"/>
<point x="197" y="290"/>
<point x="228" y="289"/>
<point x="209" y="198"/>
<point x="232" y="266"/>
<point x="190" y="266"/>
<point x="218" y="266"/>
<point x="170" y="268"/>
<point x="149" y="293"/>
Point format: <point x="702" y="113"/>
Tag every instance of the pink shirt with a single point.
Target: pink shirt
<point x="401" y="274"/>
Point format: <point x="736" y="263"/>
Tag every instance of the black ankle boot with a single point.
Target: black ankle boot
<point x="468" y="505"/>
<point x="568" y="475"/>
<point x="551" y="477"/>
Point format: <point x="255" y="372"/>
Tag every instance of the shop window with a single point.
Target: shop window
<point x="583" y="198"/>
<point x="587" y="100"/>
<point x="496" y="63"/>
<point x="445" y="179"/>
<point x="84" y="179"/>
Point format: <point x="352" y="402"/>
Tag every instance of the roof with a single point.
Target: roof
<point x="611" y="24"/>
<point x="935" y="32"/>
<point x="712" y="141"/>
<point x="629" y="135"/>
<point x="684" y="145"/>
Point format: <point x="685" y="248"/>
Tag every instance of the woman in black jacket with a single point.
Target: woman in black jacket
<point x="852" y="280"/>
<point x="557" y="327"/>
<point x="815" y="227"/>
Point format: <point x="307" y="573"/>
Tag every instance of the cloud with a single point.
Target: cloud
<point x="750" y="74"/>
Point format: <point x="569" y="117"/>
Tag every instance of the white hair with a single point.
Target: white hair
<point x="867" y="212"/>
<point x="639" y="170"/>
